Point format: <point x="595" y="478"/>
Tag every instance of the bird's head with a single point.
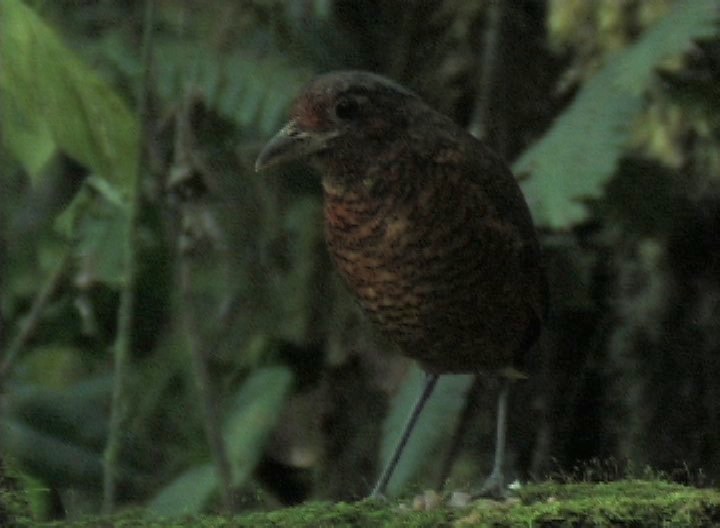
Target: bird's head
<point x="344" y="116"/>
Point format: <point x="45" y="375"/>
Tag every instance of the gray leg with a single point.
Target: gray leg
<point x="379" y="490"/>
<point x="494" y="484"/>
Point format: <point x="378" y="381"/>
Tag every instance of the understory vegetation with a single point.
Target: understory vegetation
<point x="174" y="340"/>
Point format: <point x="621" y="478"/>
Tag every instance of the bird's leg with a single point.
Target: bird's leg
<point x="379" y="489"/>
<point x="494" y="484"/>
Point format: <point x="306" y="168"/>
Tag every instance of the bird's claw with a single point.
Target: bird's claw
<point x="493" y="488"/>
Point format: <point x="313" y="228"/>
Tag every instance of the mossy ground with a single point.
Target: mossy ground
<point x="636" y="503"/>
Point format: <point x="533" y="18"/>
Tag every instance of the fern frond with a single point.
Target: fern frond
<point x="579" y="154"/>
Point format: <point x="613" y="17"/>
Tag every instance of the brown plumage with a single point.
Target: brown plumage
<point x="425" y="223"/>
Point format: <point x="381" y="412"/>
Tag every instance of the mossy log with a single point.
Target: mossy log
<point x="637" y="503"/>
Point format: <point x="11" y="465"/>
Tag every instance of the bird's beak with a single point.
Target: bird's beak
<point x="291" y="143"/>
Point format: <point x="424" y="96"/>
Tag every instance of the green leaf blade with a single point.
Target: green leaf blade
<point x="59" y="97"/>
<point x="189" y="493"/>
<point x="255" y="413"/>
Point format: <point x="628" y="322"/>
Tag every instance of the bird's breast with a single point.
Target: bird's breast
<point x="370" y="241"/>
<point x="434" y="272"/>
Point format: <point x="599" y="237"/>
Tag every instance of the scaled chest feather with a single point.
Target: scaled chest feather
<point x="434" y="272"/>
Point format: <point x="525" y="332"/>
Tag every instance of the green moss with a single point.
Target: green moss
<point x="366" y="514"/>
<point x="635" y="503"/>
<point x="622" y="503"/>
<point x="310" y="515"/>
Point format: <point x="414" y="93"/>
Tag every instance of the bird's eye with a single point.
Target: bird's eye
<point x="347" y="109"/>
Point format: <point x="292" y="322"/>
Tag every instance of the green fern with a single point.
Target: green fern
<point x="250" y="91"/>
<point x="577" y="157"/>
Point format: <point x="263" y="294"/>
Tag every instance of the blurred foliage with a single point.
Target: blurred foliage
<point x="257" y="404"/>
<point x="15" y="503"/>
<point x="41" y="79"/>
<point x="611" y="110"/>
<point x="603" y="112"/>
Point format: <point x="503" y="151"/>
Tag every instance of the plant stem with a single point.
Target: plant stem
<point x="211" y="417"/>
<point x="488" y="69"/>
<point x="123" y="341"/>
<point x="191" y="209"/>
<point x="30" y="322"/>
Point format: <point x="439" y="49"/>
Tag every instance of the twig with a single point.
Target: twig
<point x="123" y="340"/>
<point x="203" y="233"/>
<point x="211" y="417"/>
<point x="30" y="322"/>
<point x="488" y="68"/>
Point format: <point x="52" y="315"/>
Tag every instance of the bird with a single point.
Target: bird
<point x="428" y="228"/>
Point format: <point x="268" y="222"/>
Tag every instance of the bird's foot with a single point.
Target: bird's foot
<point x="458" y="500"/>
<point x="493" y="488"/>
<point x="377" y="496"/>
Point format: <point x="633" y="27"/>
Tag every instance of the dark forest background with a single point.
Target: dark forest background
<point x="172" y="334"/>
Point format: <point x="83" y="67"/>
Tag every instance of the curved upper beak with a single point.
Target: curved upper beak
<point x="290" y="143"/>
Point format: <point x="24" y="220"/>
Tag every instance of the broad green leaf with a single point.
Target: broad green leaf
<point x="254" y="414"/>
<point x="49" y="456"/>
<point x="98" y="222"/>
<point x="579" y="154"/>
<point x="187" y="494"/>
<point x="74" y="415"/>
<point x="433" y="428"/>
<point x="27" y="136"/>
<point x="53" y="98"/>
